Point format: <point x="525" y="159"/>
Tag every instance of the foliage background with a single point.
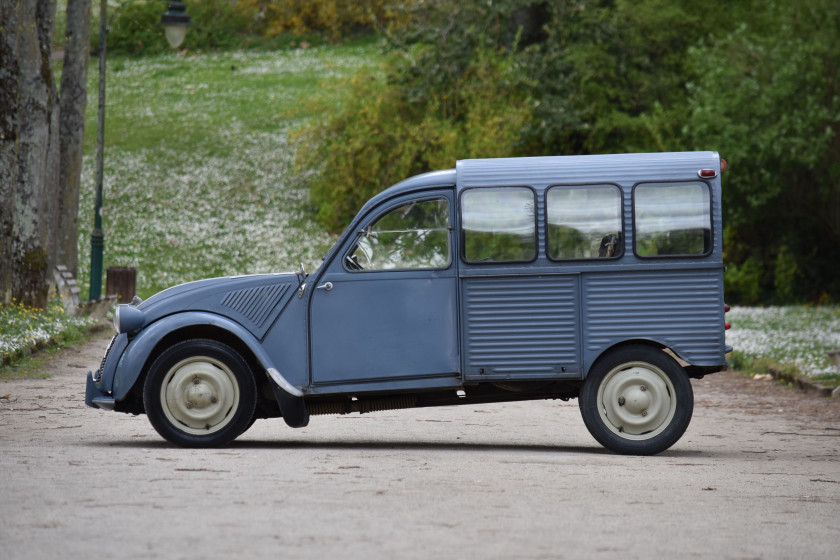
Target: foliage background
<point x="134" y="26"/>
<point x="755" y="80"/>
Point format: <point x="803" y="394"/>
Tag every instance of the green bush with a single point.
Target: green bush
<point x="134" y="27"/>
<point x="785" y="274"/>
<point x="743" y="282"/>
<point x="769" y="101"/>
<point x="333" y="18"/>
<point x="453" y="88"/>
<point x="382" y="137"/>
<point x="216" y="24"/>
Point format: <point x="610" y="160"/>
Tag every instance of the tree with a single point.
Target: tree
<point x="769" y="101"/>
<point x="40" y="145"/>
<point x="29" y="155"/>
<point x="450" y="91"/>
<point x="72" y="129"/>
<point x="612" y="75"/>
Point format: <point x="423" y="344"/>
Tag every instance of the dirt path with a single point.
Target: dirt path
<point x="757" y="475"/>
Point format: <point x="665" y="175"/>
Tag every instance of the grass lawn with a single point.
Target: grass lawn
<point x="793" y="337"/>
<point x="198" y="177"/>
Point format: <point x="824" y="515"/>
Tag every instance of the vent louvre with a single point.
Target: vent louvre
<point x="255" y="303"/>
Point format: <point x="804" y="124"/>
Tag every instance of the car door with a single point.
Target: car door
<point x="386" y="308"/>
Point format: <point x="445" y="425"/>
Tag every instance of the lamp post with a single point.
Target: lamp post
<point x="175" y="23"/>
<point x="97" y="239"/>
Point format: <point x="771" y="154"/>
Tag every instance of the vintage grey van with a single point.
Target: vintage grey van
<point x="591" y="277"/>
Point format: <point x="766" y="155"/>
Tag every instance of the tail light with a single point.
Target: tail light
<point x="711" y="173"/>
<point x="726" y="324"/>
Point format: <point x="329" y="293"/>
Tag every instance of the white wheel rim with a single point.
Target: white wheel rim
<point x="199" y="395"/>
<point x="636" y="401"/>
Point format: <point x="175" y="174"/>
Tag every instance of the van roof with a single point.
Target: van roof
<point x="608" y="168"/>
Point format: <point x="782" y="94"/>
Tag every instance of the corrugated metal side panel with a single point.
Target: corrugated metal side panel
<point x="681" y="309"/>
<point x="516" y="327"/>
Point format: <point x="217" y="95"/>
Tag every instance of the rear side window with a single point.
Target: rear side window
<point x="584" y="222"/>
<point x="672" y="219"/>
<point x="499" y="225"/>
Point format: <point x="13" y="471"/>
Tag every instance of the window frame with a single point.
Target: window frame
<point x="621" y="221"/>
<point x="463" y="232"/>
<point x="710" y="214"/>
<point x="354" y="240"/>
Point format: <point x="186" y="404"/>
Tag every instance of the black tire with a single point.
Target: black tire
<point x="200" y="393"/>
<point x="636" y="400"/>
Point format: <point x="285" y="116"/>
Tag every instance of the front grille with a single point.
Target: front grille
<point x="98" y="374"/>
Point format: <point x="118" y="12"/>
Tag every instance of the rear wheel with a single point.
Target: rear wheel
<point x="637" y="400"/>
<point x="200" y="393"/>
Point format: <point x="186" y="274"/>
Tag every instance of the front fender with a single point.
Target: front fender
<point x="136" y="355"/>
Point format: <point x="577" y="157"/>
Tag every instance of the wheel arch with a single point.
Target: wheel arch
<point x="625" y="343"/>
<point x="145" y="348"/>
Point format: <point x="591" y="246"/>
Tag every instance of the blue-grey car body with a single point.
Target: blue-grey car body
<point x="342" y="332"/>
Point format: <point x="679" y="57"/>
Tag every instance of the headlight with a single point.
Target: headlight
<point x="128" y="318"/>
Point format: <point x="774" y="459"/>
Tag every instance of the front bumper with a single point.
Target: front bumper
<point x="95" y="398"/>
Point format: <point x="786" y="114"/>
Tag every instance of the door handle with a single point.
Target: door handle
<point x="327" y="286"/>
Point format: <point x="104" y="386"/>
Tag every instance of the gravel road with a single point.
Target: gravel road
<point x="757" y="475"/>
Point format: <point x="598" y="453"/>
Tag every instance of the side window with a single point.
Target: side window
<point x="584" y="222"/>
<point x="411" y="236"/>
<point x="672" y="219"/>
<point x="499" y="224"/>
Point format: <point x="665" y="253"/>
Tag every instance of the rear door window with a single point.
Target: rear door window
<point x="499" y="225"/>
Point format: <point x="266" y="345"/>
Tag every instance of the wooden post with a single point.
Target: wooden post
<point x="122" y="282"/>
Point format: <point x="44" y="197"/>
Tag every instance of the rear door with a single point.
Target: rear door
<point x="519" y="321"/>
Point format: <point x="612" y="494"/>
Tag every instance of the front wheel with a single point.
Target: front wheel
<point x="200" y="393"/>
<point x="637" y="400"/>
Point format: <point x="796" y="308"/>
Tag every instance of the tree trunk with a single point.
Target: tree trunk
<point x="29" y="151"/>
<point x="10" y="33"/>
<point x="72" y="129"/>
